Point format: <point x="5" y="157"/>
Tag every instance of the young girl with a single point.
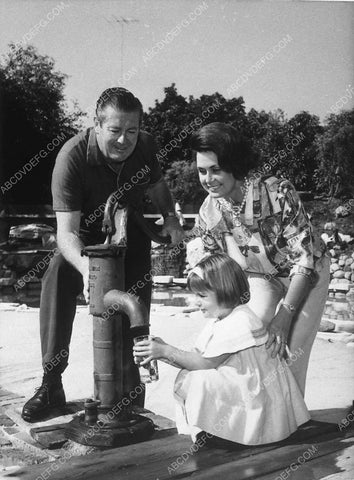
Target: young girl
<point x="229" y="385"/>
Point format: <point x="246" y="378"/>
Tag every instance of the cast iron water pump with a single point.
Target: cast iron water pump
<point x="105" y="422"/>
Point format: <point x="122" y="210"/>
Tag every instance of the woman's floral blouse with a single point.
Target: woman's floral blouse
<point x="275" y="238"/>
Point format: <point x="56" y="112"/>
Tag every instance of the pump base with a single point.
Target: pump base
<point x="138" y="429"/>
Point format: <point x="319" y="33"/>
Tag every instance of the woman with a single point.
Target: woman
<point x="261" y="223"/>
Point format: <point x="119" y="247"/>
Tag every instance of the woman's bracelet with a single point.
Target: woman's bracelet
<point x="303" y="271"/>
<point x="289" y="307"/>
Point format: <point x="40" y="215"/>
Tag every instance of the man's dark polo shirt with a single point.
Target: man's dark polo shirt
<point x="82" y="180"/>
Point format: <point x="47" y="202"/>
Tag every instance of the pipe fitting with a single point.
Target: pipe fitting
<point x="132" y="306"/>
<point x="91" y="413"/>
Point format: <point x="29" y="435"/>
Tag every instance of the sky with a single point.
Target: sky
<point x="293" y="55"/>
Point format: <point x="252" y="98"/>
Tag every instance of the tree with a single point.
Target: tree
<point x="173" y="120"/>
<point x="182" y="178"/>
<point x="165" y="122"/>
<point x="300" y="160"/>
<point x="286" y="146"/>
<point x="335" y="153"/>
<point x="35" y="121"/>
<point x="268" y="131"/>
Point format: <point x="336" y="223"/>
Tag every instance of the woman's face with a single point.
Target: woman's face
<point x="215" y="181"/>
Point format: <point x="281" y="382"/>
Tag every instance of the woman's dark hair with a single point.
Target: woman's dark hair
<point x="119" y="98"/>
<point x="233" y="150"/>
<point x="224" y="276"/>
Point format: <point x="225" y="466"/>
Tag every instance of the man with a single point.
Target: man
<point x="114" y="155"/>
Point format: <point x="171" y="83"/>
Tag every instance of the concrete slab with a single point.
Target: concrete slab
<point x="330" y="381"/>
<point x="330" y="385"/>
<point x="63" y="415"/>
<point x="24" y="441"/>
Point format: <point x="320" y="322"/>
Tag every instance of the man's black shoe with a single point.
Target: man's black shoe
<point x="47" y="397"/>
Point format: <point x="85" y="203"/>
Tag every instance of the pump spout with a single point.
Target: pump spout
<point x="132" y="306"/>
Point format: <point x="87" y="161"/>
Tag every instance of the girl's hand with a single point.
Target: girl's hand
<point x="278" y="330"/>
<point x="148" y="350"/>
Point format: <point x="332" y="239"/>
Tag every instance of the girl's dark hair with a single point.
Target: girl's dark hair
<point x="119" y="98"/>
<point x="233" y="150"/>
<point x="224" y="276"/>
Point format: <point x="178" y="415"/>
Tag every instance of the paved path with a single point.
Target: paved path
<point x="330" y="383"/>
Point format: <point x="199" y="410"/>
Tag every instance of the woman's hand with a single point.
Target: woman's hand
<point x="279" y="327"/>
<point x="148" y="350"/>
<point x="278" y="330"/>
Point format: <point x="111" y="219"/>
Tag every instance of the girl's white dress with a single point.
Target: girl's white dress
<point x="251" y="398"/>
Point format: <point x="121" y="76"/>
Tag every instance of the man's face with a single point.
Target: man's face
<point x="118" y="133"/>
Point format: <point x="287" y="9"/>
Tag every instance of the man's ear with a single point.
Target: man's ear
<point x="97" y="125"/>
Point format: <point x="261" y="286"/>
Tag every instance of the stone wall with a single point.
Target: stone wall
<point x="339" y="310"/>
<point x="342" y="265"/>
<point x="20" y="275"/>
<point x="166" y="260"/>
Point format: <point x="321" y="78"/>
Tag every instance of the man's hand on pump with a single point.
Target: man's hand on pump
<point x="85" y="278"/>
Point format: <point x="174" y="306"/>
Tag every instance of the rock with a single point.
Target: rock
<point x="344" y="326"/>
<point x="326" y="326"/>
<point x="339" y="285"/>
<point x="341" y="211"/>
<point x="339" y="295"/>
<point x="180" y="281"/>
<point x="347" y="275"/>
<point x="328" y="311"/>
<point x="29" y="231"/>
<point x="338" y="274"/>
<point x="341" y="307"/>
<point x="163" y="279"/>
<point x="349" y="339"/>
<point x="49" y="241"/>
<point x="334" y="267"/>
<point x="7" y="282"/>
<point x="22" y="307"/>
<point x="341" y="263"/>
<point x="5" y="442"/>
<point x="349" y="261"/>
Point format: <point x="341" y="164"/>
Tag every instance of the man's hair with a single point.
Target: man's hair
<point x="233" y="150"/>
<point x="224" y="276"/>
<point x="119" y="98"/>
